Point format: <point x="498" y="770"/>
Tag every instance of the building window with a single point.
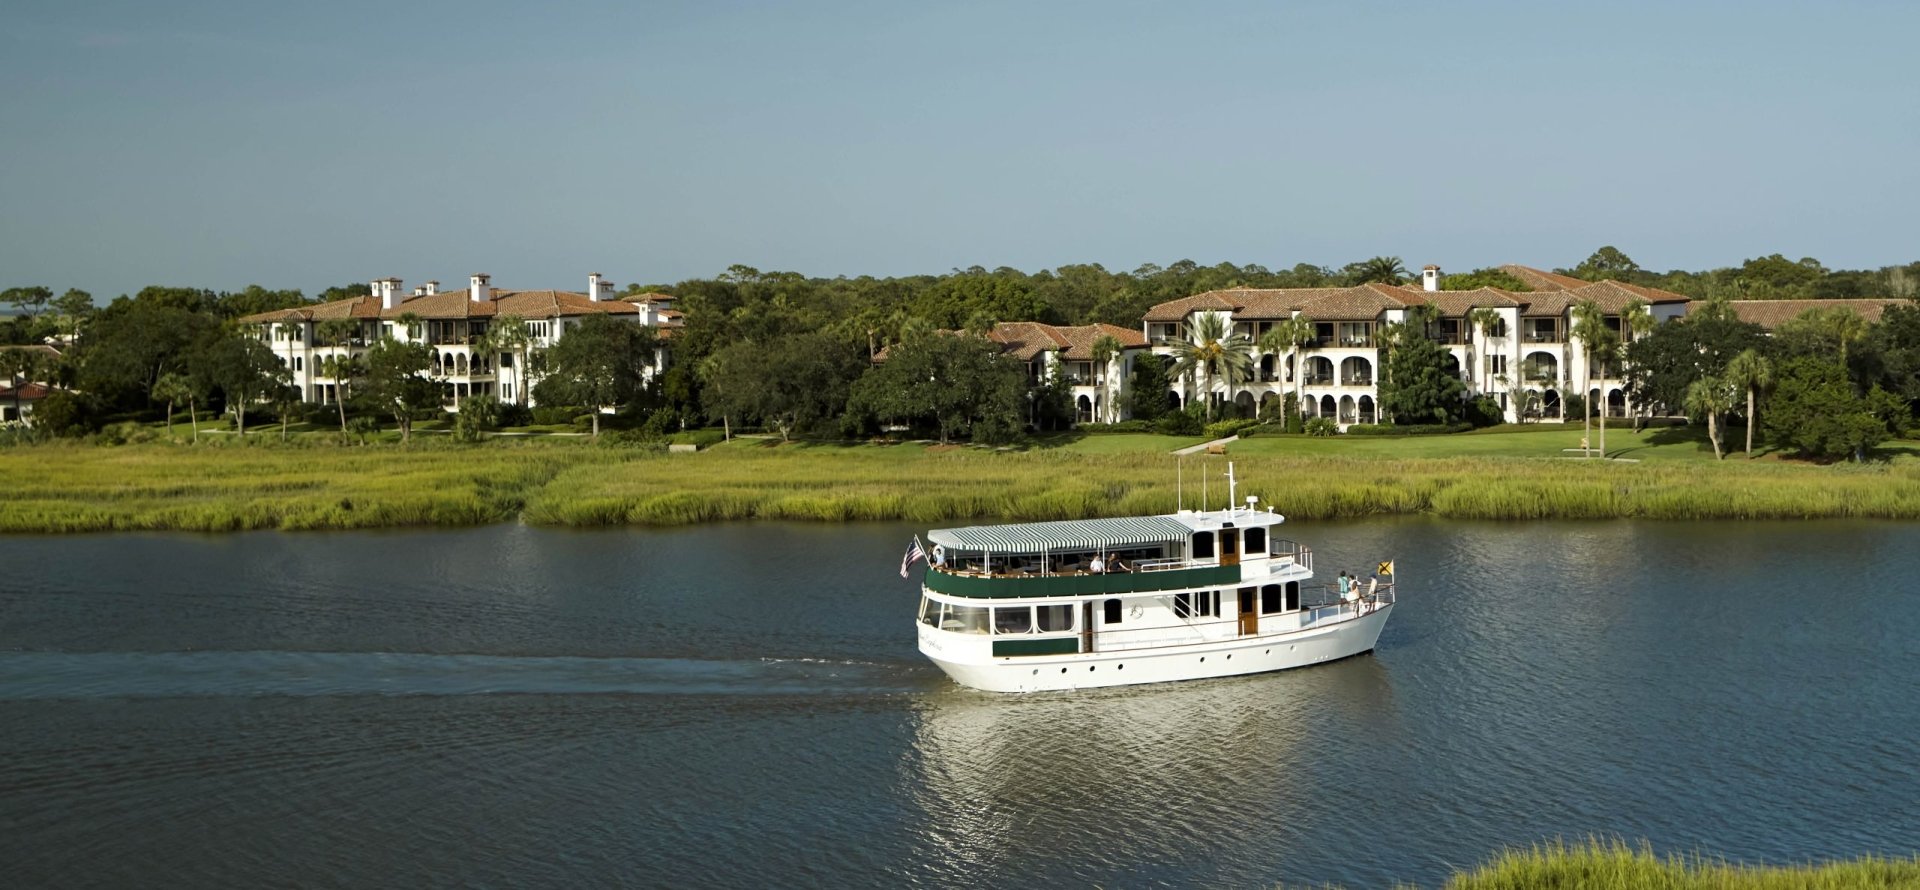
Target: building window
<point x="297" y="363"/>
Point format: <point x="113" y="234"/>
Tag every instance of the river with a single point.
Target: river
<point x="742" y="706"/>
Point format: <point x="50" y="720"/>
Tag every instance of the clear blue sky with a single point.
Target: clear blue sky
<point x="219" y="144"/>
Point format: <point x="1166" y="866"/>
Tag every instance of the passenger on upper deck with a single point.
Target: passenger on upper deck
<point x="1099" y="565"/>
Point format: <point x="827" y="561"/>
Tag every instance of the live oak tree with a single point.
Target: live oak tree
<point x="1814" y="411"/>
<point x="1418" y="387"/>
<point x="795" y="383"/>
<point x="243" y="369"/>
<point x="396" y="381"/>
<point x="952" y="384"/>
<point x="600" y="362"/>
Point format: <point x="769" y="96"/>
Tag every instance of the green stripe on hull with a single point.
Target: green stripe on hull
<point x="1060" y="646"/>
<point x="1080" y="585"/>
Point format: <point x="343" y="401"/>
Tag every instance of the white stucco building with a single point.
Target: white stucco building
<point x="456" y="324"/>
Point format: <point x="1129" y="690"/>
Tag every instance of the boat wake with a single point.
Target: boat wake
<point x="89" y="675"/>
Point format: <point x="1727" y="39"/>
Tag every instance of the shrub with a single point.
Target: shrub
<point x="1323" y="426"/>
<point x="1124" y="426"/>
<point x="1224" y="428"/>
<point x="478" y="416"/>
<point x="1485" y="411"/>
<point x="64" y="413"/>
<point x="514" y="415"/>
<point x="1411" y="429"/>
<point x="555" y="415"/>
<point x="1185" y="422"/>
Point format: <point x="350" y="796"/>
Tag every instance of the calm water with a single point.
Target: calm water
<point x="742" y="706"/>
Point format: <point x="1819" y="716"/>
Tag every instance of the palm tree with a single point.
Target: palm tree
<point x="1211" y="348"/>
<point x="1290" y="336"/>
<point x="1710" y="396"/>
<point x="410" y="321"/>
<point x="1384" y="269"/>
<point x="336" y="331"/>
<point x="1488" y="321"/>
<point x="1106" y="348"/>
<point x="1590" y="326"/>
<point x="981" y="323"/>
<point x="285" y="396"/>
<point x="509" y="334"/>
<point x="341" y="369"/>
<point x="173" y="389"/>
<point x="1752" y="372"/>
<point x="1634" y="320"/>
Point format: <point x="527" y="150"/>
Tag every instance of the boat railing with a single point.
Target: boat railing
<point x="1319" y="613"/>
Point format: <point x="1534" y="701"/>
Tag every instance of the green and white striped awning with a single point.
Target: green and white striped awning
<point x="1071" y="535"/>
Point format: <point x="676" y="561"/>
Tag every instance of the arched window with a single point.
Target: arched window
<point x="1293" y="596"/>
<point x="1110" y="611"/>
<point x="1202" y="545"/>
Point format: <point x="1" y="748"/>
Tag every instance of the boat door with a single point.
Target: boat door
<point x="1249" y="612"/>
<point x="1229" y="545"/>
<point x="1086" y="626"/>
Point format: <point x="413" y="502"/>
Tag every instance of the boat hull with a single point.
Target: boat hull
<point x="1125" y="667"/>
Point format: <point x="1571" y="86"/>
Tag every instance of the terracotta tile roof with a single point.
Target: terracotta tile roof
<point x="352" y="307"/>
<point x="1080" y="339"/>
<point x="1177" y="310"/>
<point x="648" y="297"/>
<point x="1770" y="313"/>
<point x="1613" y="296"/>
<point x="1352" y="304"/>
<point x="29" y="392"/>
<point x="41" y="348"/>
<point x="1457" y="303"/>
<point x="1546" y="303"/>
<point x="1025" y="339"/>
<point x="1541" y="280"/>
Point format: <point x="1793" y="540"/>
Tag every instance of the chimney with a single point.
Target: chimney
<point x="433" y="287"/>
<point x="477" y="289"/>
<point x="388" y="290"/>
<point x="1430" y="278"/>
<point x="420" y="290"/>
<point x="593" y="286"/>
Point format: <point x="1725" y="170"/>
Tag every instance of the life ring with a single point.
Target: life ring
<point x="939" y="554"/>
<point x="1135" y="613"/>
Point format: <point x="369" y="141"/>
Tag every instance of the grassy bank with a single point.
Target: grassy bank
<point x="59" y="488"/>
<point x="1615" y="866"/>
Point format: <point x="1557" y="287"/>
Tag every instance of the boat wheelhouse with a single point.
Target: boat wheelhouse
<point x="1109" y="602"/>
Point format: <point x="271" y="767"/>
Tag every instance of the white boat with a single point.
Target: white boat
<point x="1146" y="599"/>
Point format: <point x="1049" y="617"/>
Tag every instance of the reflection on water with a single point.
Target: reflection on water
<point x="1103" y="784"/>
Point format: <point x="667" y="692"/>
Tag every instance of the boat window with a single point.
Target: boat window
<point x="1183" y="605"/>
<point x="1055" y="617"/>
<point x="964" y="619"/>
<point x="929" y="612"/>
<point x="1271" y="599"/>
<point x="1202" y="545"/>
<point x="1013" y="619"/>
<point x="1111" y="611"/>
<point x="1256" y="540"/>
<point x="1209" y="602"/>
<point x="1293" y="595"/>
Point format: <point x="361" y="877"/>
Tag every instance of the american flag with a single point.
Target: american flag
<point x="913" y="552"/>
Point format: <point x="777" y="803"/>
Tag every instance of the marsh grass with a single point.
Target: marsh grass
<point x="69" y="488"/>
<point x="313" y="485"/>
<point x="1613" y="865"/>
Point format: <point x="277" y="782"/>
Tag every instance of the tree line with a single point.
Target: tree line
<point x="795" y="354"/>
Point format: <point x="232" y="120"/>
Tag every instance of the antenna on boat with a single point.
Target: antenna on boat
<point x="1230" y="485"/>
